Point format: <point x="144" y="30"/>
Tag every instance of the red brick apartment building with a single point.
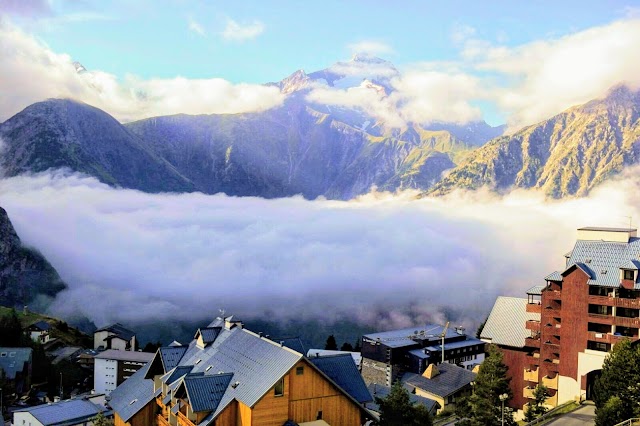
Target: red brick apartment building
<point x="560" y="335"/>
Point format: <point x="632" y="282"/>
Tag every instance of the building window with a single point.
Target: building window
<point x="299" y="371"/>
<point x="628" y="275"/>
<point x="278" y="390"/>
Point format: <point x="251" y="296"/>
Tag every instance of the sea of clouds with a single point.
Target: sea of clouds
<point x="385" y="260"/>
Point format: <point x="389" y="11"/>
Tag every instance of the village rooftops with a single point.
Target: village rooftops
<point x="411" y="336"/>
<point x="449" y="380"/>
<point x="342" y="370"/>
<point x="40" y="326"/>
<point x="63" y="413"/>
<point x="125" y="355"/>
<point x="380" y="391"/>
<point x="436" y="349"/>
<point x="119" y="330"/>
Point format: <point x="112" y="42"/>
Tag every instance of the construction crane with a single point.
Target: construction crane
<point x="442" y="336"/>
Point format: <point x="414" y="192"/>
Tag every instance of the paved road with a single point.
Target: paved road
<point x="583" y="416"/>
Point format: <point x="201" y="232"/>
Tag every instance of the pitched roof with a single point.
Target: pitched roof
<point x="294" y="343"/>
<point x="171" y="356"/>
<point x="176" y="374"/>
<point x="342" y="371"/>
<point x="67" y="412"/>
<point x="506" y="322"/>
<point x="208" y="334"/>
<point x="132" y="395"/>
<point x="605" y="258"/>
<point x="119" y="330"/>
<point x="450" y="380"/>
<point x="537" y="289"/>
<point x="382" y="392"/>
<point x="357" y="356"/>
<point x="125" y="355"/>
<point x="205" y="391"/>
<point x="12" y="360"/>
<point x="554" y="276"/>
<point x="40" y="325"/>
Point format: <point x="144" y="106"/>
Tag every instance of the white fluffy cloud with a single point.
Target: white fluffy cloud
<point x="32" y="72"/>
<point x="194" y="26"/>
<point x="241" y="32"/>
<point x="545" y="77"/>
<point x="126" y="254"/>
<point x="370" y="47"/>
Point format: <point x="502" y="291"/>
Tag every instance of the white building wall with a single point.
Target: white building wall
<point x="118" y="344"/>
<point x="105" y="375"/>
<point x="25" y="419"/>
<point x="98" y="339"/>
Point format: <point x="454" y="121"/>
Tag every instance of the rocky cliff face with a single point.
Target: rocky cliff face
<point x="26" y="278"/>
<point x="564" y="156"/>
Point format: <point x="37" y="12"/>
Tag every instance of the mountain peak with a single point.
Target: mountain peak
<point x="367" y="59"/>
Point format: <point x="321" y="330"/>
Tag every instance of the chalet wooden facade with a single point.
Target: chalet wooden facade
<point x="229" y="376"/>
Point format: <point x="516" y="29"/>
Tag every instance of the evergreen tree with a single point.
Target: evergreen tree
<point x="396" y="409"/>
<point x="331" y="344"/>
<point x="537" y="407"/>
<point x="346" y="347"/>
<point x="484" y="405"/>
<point x="101" y="420"/>
<point x="11" y="333"/>
<point x="616" y="391"/>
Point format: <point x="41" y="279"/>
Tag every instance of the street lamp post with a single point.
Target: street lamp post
<point x="503" y="398"/>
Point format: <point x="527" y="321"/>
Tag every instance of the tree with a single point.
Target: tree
<point x="152" y="347"/>
<point x="101" y="420"/>
<point x="620" y="379"/>
<point x="537" y="407"/>
<point x="396" y="409"/>
<point x="11" y="333"/>
<point x="484" y="405"/>
<point x="331" y="344"/>
<point x="346" y="347"/>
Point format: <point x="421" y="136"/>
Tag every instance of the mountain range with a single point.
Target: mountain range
<point x="300" y="147"/>
<point x="314" y="149"/>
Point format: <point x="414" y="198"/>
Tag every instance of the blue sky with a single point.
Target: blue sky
<point x="153" y="39"/>
<point x="502" y="61"/>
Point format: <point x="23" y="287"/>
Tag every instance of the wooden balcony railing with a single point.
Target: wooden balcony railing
<point x="534" y="308"/>
<point x="602" y="300"/>
<point x="161" y="421"/>
<point x="627" y="322"/>
<point x="627" y="303"/>
<point x="604" y="337"/>
<point x="532" y="325"/>
<point x="184" y="420"/>
<point x="600" y="318"/>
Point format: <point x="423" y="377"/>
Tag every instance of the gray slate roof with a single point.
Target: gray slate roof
<point x="537" y="289"/>
<point x="119" y="330"/>
<point x="12" y="360"/>
<point x="506" y="322"/>
<point x="343" y="371"/>
<point x="602" y="260"/>
<point x="176" y="373"/>
<point x="450" y="380"/>
<point x="68" y="412"/>
<point x="209" y="334"/>
<point x="171" y="356"/>
<point x="380" y="391"/>
<point x="132" y="395"/>
<point x="40" y="325"/>
<point x="400" y="338"/>
<point x="206" y="391"/>
<point x="554" y="276"/>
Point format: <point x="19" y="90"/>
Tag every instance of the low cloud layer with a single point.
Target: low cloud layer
<point x="31" y="72"/>
<point x="131" y="257"/>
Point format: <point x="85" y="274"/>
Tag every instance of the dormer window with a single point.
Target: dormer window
<point x="628" y="274"/>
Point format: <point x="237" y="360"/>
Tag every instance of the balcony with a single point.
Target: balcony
<point x="602" y="300"/>
<point x="527" y="392"/>
<point x="601" y="319"/>
<point x="554" y="345"/>
<point x="551" y="310"/>
<point x="534" y="308"/>
<point x="627" y="322"/>
<point x="161" y="421"/>
<point x="183" y="420"/>
<point x="554" y="294"/>
<point x="532" y="325"/>
<point x="552" y="401"/>
<point x="604" y="337"/>
<point x="627" y="303"/>
<point x="550" y="383"/>
<point x="531" y="376"/>
<point x="532" y="342"/>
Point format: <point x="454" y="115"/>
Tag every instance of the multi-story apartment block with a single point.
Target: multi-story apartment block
<point x="573" y="320"/>
<point x="386" y="355"/>
<point x="112" y="367"/>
